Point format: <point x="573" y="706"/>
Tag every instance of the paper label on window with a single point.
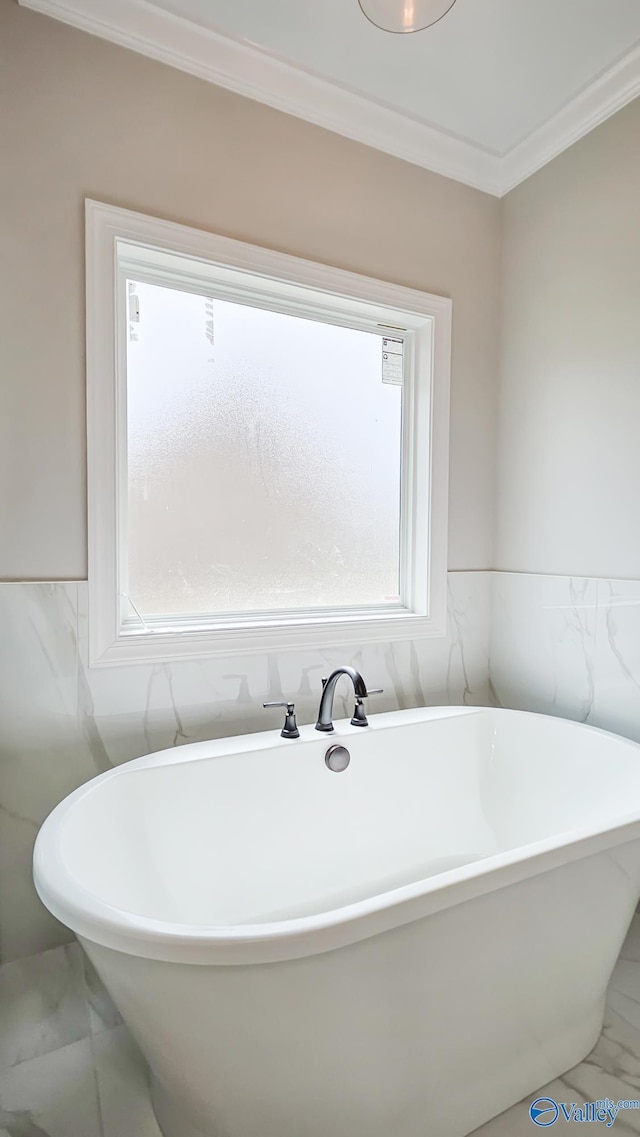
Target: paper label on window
<point x="392" y="361"/>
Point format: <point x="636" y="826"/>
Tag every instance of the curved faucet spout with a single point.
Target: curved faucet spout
<point x="325" y="713"/>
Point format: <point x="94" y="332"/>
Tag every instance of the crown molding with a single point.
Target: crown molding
<point x="247" y="70"/>
<point x="611" y="91"/>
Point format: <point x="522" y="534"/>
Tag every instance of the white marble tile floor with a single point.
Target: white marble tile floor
<point x="69" y="1068"/>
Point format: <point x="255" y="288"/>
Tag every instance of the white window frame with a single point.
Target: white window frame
<point x="354" y="300"/>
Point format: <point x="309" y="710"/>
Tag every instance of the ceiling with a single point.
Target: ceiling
<point x="487" y="95"/>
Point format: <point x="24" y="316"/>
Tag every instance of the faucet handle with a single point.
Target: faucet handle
<point x="359" y="717"/>
<point x="290" y="728"/>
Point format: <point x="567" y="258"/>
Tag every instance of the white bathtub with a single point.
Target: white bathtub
<point x="400" y="950"/>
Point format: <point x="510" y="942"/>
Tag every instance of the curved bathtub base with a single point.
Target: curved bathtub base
<point x="574" y="1047"/>
<point x="434" y="1027"/>
<point x="171" y="1120"/>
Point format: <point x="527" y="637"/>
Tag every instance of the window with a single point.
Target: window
<point x="267" y="448"/>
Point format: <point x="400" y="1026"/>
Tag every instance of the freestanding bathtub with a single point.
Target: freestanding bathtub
<point x="403" y="949"/>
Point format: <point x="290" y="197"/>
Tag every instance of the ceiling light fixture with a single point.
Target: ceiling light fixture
<point x="405" y="15"/>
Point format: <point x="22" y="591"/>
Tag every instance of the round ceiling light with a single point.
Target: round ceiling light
<point x="405" y="15"/>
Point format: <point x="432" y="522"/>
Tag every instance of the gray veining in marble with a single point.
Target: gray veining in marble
<point x="542" y="636"/>
<point x="568" y="646"/>
<point x="135" y="710"/>
<point x="42" y="754"/>
<point x="64" y="722"/>
<point x="42" y="1004"/>
<point x="54" y="1095"/>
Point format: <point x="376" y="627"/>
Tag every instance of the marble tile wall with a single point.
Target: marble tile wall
<point x="568" y="646"/>
<point x="560" y="645"/>
<point x="62" y="722"/>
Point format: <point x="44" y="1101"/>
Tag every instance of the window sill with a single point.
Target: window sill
<point x="160" y="645"/>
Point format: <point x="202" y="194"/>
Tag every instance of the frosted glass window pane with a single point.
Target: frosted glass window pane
<point x="264" y="458"/>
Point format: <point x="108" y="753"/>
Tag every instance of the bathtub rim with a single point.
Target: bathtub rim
<point x="94" y="920"/>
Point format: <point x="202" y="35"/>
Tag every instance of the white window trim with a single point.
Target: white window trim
<point x="427" y="316"/>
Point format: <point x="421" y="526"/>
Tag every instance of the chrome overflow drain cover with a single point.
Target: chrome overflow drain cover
<point x="337" y="758"/>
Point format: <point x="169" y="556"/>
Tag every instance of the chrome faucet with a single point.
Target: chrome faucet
<point x="325" y="713"/>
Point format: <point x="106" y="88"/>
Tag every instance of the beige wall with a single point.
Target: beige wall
<point x="81" y="117"/>
<point x="569" y="458"/>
